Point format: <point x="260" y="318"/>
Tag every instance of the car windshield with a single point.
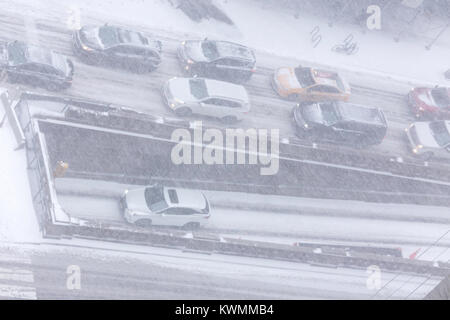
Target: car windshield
<point x="324" y="113"/>
<point x="109" y="36"/>
<point x="154" y="196"/>
<point x="198" y="88"/>
<point x="210" y="51"/>
<point x="440" y="133"/>
<point x="340" y="84"/>
<point x="441" y="96"/>
<point x="17" y="53"/>
<point x="304" y="77"/>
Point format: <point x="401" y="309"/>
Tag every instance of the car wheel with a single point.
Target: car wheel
<point x="145" y="223"/>
<point x="140" y="69"/>
<point x="293" y="97"/>
<point x="183" y="112"/>
<point x="301" y="134"/>
<point x="427" y="156"/>
<point x="52" y="86"/>
<point x="229" y="119"/>
<point x="191" y="226"/>
<point x="12" y="78"/>
<point x="90" y="60"/>
<point x="151" y="68"/>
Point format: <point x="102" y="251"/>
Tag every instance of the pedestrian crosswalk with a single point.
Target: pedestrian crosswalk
<point x="16" y="277"/>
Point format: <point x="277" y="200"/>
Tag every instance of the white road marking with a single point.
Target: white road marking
<point x="17" y="292"/>
<point x="16" y="274"/>
<point x="16" y="282"/>
<point x="12" y="258"/>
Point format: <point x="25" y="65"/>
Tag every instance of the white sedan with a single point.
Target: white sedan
<point x="429" y="139"/>
<point x="165" y="206"/>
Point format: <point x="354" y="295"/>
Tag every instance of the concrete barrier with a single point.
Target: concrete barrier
<point x="11" y="116"/>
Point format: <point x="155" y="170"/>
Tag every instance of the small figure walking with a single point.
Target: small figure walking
<point x="61" y="168"/>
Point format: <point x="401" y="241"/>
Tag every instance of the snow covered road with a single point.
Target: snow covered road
<point x="283" y="219"/>
<point x="143" y="91"/>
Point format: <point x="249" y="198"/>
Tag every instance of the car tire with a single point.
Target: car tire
<point x="293" y="97"/>
<point x="427" y="156"/>
<point x="140" y="69"/>
<point x="301" y="134"/>
<point x="12" y="78"/>
<point x="90" y="60"/>
<point x="144" y="223"/>
<point x="52" y="87"/>
<point x="192" y="226"/>
<point x="229" y="119"/>
<point x="183" y="112"/>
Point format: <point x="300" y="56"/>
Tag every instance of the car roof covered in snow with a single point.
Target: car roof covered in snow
<point x="224" y="89"/>
<point x="235" y="50"/>
<point x="184" y="198"/>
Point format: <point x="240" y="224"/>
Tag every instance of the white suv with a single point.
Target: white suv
<point x="165" y="206"/>
<point x="226" y="101"/>
<point x="430" y="139"/>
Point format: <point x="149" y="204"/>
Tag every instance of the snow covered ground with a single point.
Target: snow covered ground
<point x="380" y="62"/>
<point x="278" y="279"/>
<point x="18" y="222"/>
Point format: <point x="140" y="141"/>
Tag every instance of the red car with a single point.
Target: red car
<point x="430" y="103"/>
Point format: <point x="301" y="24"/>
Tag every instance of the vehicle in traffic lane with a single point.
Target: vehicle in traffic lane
<point x="116" y="46"/>
<point x="429" y="139"/>
<point x="35" y="66"/>
<point x="221" y="60"/>
<point x="309" y="84"/>
<point x="207" y="97"/>
<point x="340" y="122"/>
<point x="430" y="103"/>
<point x="165" y="206"/>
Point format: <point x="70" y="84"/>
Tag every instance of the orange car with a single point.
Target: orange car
<point x="308" y="84"/>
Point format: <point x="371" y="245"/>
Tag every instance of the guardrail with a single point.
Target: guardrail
<point x="255" y="249"/>
<point x="10" y="114"/>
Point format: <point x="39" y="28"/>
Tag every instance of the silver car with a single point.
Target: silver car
<point x="223" y="100"/>
<point x="165" y="206"/>
<point x="429" y="139"/>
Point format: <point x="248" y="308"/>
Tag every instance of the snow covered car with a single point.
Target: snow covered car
<point x="340" y="122"/>
<point x="118" y="47"/>
<point x="308" y="84"/>
<point x="35" y="66"/>
<point x="223" y="100"/>
<point x="217" y="59"/>
<point x="430" y="103"/>
<point x="165" y="206"/>
<point x="429" y="139"/>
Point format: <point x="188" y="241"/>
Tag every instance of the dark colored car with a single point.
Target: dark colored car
<point x="115" y="46"/>
<point x="217" y="59"/>
<point x="430" y="103"/>
<point x="35" y="66"/>
<point x="340" y="122"/>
